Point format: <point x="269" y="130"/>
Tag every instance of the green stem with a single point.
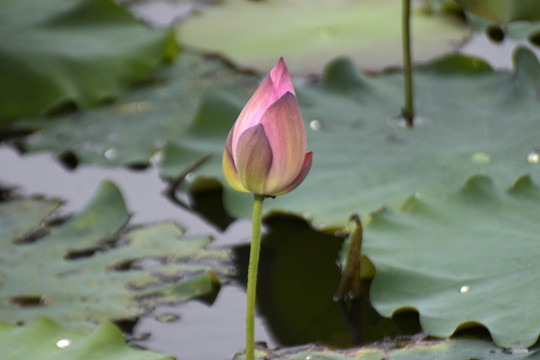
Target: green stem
<point x="252" y="276"/>
<point x="408" y="111"/>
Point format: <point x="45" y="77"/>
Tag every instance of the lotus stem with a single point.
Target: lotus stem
<point x="408" y="110"/>
<point x="252" y="276"/>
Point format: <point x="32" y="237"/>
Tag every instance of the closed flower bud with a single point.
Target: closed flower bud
<point x="266" y="148"/>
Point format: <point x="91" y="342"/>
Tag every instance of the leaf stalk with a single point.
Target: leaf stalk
<point x="408" y="110"/>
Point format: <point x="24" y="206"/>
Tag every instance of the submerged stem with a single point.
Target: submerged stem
<point x="252" y="276"/>
<point x="408" y="110"/>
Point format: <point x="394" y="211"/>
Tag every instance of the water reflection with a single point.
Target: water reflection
<point x="298" y="277"/>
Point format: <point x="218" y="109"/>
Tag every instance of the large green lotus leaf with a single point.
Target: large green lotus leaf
<point x="141" y="122"/>
<point x="472" y="120"/>
<point x="91" y="268"/>
<point x="463" y="348"/>
<point x="58" y="52"/>
<point x="503" y="11"/>
<point x="468" y="258"/>
<point x="517" y="30"/>
<point x="42" y="338"/>
<point x="308" y="34"/>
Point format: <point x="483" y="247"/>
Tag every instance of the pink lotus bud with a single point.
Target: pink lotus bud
<point x="266" y="148"/>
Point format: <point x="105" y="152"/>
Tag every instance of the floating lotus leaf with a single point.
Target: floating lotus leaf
<point x="472" y="120"/>
<point x="516" y="30"/>
<point x="254" y="34"/>
<point x="503" y="12"/>
<point x="465" y="259"/>
<point x="463" y="348"/>
<point x="44" y="339"/>
<point x="131" y="130"/>
<point x="57" y="52"/>
<point x="91" y="268"/>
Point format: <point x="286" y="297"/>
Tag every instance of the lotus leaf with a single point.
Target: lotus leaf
<point x="154" y="114"/>
<point x="44" y="339"/>
<point x="92" y="268"/>
<point x="469" y="258"/>
<point x="59" y="52"/>
<point x="254" y="34"/>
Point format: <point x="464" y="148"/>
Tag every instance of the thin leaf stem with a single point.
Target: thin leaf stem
<point x="252" y="276"/>
<point x="408" y="111"/>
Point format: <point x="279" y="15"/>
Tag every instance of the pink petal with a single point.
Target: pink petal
<point x="255" y="108"/>
<point x="274" y="86"/>
<point x="306" y="166"/>
<point x="284" y="128"/>
<point x="281" y="79"/>
<point x="231" y="175"/>
<point x="253" y="159"/>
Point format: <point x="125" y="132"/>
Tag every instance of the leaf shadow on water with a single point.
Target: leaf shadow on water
<point x="298" y="277"/>
<point x="205" y="198"/>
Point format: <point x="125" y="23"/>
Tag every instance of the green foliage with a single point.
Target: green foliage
<point x="502" y="12"/>
<point x="59" y="52"/>
<point x="39" y="339"/>
<point x="153" y="114"/>
<point x="473" y="121"/>
<point x="91" y="268"/>
<point x="308" y="34"/>
<point x="516" y="30"/>
<point x="463" y="259"/>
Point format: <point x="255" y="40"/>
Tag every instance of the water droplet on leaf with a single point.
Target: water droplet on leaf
<point x="63" y="343"/>
<point x="111" y="154"/>
<point x="315" y="124"/>
<point x="533" y="158"/>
